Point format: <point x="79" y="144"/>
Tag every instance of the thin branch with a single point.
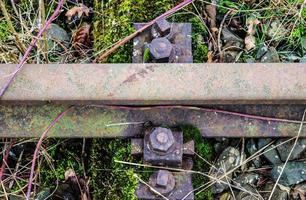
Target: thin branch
<point x="32" y="44"/>
<point x="38" y="145"/>
<point x="20" y="46"/>
<point x="5" y="157"/>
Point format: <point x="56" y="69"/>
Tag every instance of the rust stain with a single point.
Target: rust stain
<point x="141" y="73"/>
<point x="131" y="78"/>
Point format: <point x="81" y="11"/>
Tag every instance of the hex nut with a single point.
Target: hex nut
<point x="161" y="49"/>
<point x="163" y="27"/>
<point x="161" y="139"/>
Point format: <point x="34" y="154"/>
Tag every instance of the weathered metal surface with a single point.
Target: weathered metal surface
<point x="167" y="42"/>
<point x="168" y="152"/>
<point x="86" y="121"/>
<point x="179" y="185"/>
<point x="153" y="84"/>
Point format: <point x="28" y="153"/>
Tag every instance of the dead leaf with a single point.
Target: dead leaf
<point x="250" y="42"/>
<point x="211" y="12"/>
<point x="251" y="24"/>
<point x="69" y="174"/>
<point x="78" y="11"/>
<point x="210" y="57"/>
<point x="82" y="39"/>
<point x="299" y="191"/>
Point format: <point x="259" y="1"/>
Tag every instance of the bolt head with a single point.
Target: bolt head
<point x="163" y="178"/>
<point x="161" y="139"/>
<point x="163" y="27"/>
<point x="163" y="181"/>
<point x="161" y="49"/>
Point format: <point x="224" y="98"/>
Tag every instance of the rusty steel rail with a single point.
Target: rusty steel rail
<point x="157" y="84"/>
<point x="111" y="122"/>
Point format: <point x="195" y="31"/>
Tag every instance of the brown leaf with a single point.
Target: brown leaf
<point x="249" y="42"/>
<point x="69" y="174"/>
<point x="78" y="11"/>
<point x="210" y="57"/>
<point x="82" y="39"/>
<point x="299" y="191"/>
<point x="211" y="12"/>
<point x="251" y="23"/>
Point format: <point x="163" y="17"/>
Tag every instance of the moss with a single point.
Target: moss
<point x="4" y="31"/>
<point x="79" y="121"/>
<point x="65" y="155"/>
<point x="204" y="148"/>
<point x="111" y="180"/>
<point x="146" y="55"/>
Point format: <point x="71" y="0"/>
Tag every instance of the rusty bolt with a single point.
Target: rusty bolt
<point x="163" y="181"/>
<point x="163" y="27"/>
<point x="161" y="49"/>
<point x="163" y="177"/>
<point x="161" y="139"/>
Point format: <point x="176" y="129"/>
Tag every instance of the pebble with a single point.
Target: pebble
<point x="294" y="173"/>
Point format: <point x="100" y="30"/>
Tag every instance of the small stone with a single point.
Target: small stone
<point x="229" y="159"/>
<point x="231" y="39"/>
<point x="276" y="30"/>
<point x="278" y="194"/>
<point x="247" y="179"/>
<point x="303" y="60"/>
<point x="44" y="194"/>
<point x="249" y="193"/>
<point x="271" y="155"/>
<point x="251" y="147"/>
<point x="285" y="149"/>
<point x="294" y="173"/>
<point x="262" y="49"/>
<point x="271" y="56"/>
<point x="56" y="35"/>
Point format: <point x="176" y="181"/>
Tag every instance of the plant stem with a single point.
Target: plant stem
<point x="20" y="46"/>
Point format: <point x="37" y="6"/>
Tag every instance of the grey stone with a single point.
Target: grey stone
<point x="261" y="51"/>
<point x="303" y="60"/>
<point x="271" y="155"/>
<point x="44" y="194"/>
<point x="271" y="56"/>
<point x="294" y="173"/>
<point x="251" y="147"/>
<point x="276" y="30"/>
<point x="247" y="179"/>
<point x="57" y="36"/>
<point x="278" y="194"/>
<point x="249" y="193"/>
<point x="285" y="149"/>
<point x="229" y="159"/>
<point x="231" y="39"/>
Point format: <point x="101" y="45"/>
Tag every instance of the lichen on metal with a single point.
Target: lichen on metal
<point x="110" y="122"/>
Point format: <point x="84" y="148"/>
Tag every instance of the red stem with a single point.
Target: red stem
<point x="29" y="49"/>
<point x="5" y="157"/>
<point x="200" y="108"/>
<point x="38" y="145"/>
